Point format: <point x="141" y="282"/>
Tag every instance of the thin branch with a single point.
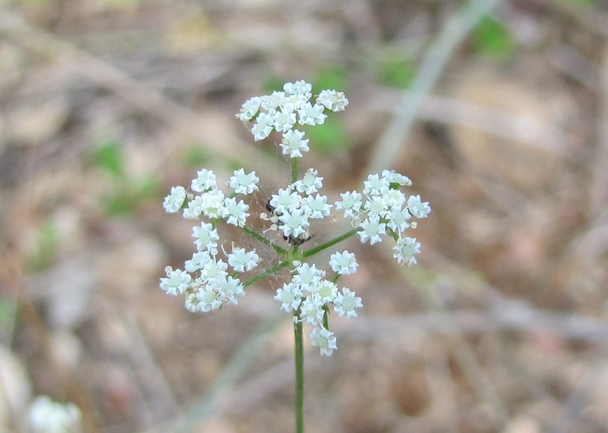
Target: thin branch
<point x="140" y="95"/>
<point x="432" y="66"/>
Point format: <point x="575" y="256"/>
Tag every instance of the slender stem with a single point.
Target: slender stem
<point x="259" y="237"/>
<point x="294" y="170"/>
<point x="328" y="244"/>
<point x="267" y="273"/>
<point x="299" y="355"/>
<point x="326" y="317"/>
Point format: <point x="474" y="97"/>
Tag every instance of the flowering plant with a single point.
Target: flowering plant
<point x="212" y="278"/>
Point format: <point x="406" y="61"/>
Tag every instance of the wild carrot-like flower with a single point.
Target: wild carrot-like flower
<point x="219" y="270"/>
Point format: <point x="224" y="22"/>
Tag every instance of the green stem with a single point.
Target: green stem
<point x="267" y="273"/>
<point x="294" y="170"/>
<point x="299" y="355"/>
<point x="334" y="241"/>
<point x="259" y="237"/>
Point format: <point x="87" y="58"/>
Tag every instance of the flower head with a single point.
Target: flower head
<point x="310" y="183"/>
<point x="243" y="183"/>
<point x="243" y="261"/>
<point x="335" y="101"/>
<point x="318" y="206"/>
<point x="46" y="416"/>
<point x="293" y="143"/>
<point x="298" y="88"/>
<point x="380" y="207"/>
<point x="290" y="297"/>
<point x="205" y="236"/>
<point x="417" y="208"/>
<point x="324" y="340"/>
<point x="306" y="275"/>
<point x="311" y="309"/>
<point x="372" y="229"/>
<point x="343" y="263"/>
<point x="350" y="204"/>
<point x="177" y="281"/>
<point x="236" y="213"/>
<point x="263" y="126"/>
<point x="405" y="249"/>
<point x="311" y="114"/>
<point x="293" y="223"/>
<point x="205" y="180"/>
<point x="346" y="302"/>
<point x="250" y="108"/>
<point x="175" y="200"/>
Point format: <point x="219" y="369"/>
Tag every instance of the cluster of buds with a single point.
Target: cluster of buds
<point x="212" y="278"/>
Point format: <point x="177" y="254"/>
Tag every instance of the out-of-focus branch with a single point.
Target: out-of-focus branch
<point x="432" y="65"/>
<point x="140" y="95"/>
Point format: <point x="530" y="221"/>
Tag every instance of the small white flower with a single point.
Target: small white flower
<point x="398" y="219"/>
<point x="405" y="250"/>
<point x="249" y="109"/>
<point x="377" y="205"/>
<point x="262" y="126"/>
<point x="294" y="223"/>
<point x="194" y="208"/>
<point x="324" y="340"/>
<point x="306" y="275"/>
<point x="293" y="143"/>
<point x="204" y="181"/>
<point x="212" y="203"/>
<point x="177" y="281"/>
<point x="310" y="183"/>
<point x="311" y="114"/>
<point x="214" y="270"/>
<point x="231" y="289"/>
<point x="46" y="416"/>
<point x="343" y="263"/>
<point x="175" y="200"/>
<point x="300" y="87"/>
<point x="375" y="185"/>
<point x="208" y="299"/>
<point x="191" y="303"/>
<point x="335" y="101"/>
<point x="198" y="261"/>
<point x="205" y="236"/>
<point x="273" y="101"/>
<point x="243" y="261"/>
<point x="236" y="213"/>
<point x="311" y="310"/>
<point x="284" y="119"/>
<point x="393" y="177"/>
<point x="346" y="302"/>
<point x="290" y="297"/>
<point x="395" y="198"/>
<point x="417" y="208"/>
<point x="285" y="199"/>
<point x="372" y="229"/>
<point x="326" y="291"/>
<point x="350" y="204"/>
<point x="318" y="206"/>
<point x="243" y="183"/>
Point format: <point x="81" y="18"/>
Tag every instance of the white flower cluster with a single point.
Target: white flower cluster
<point x="282" y="110"/>
<point x="309" y="294"/>
<point x="292" y="208"/>
<point x="207" y="282"/>
<point x="381" y="208"/>
<point x="210" y="279"/>
<point x="46" y="416"/>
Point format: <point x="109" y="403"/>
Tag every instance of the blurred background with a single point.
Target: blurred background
<point x="497" y="111"/>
